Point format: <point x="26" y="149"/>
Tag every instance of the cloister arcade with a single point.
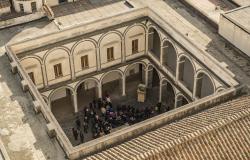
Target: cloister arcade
<point x="172" y="76"/>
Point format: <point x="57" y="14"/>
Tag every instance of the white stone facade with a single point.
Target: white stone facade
<point x="27" y="6"/>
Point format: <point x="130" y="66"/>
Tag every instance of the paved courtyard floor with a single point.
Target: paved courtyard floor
<point x="63" y="109"/>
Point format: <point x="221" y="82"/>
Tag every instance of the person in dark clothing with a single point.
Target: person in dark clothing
<point x="85" y="126"/>
<point x="78" y="123"/>
<point x="81" y="137"/>
<point x="75" y="133"/>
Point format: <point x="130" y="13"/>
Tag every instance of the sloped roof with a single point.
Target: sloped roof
<point x="4" y="3"/>
<point x="221" y="132"/>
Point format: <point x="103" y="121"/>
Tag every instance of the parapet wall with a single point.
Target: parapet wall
<point x="54" y="129"/>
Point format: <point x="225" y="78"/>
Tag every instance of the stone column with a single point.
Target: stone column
<point x="44" y="76"/>
<point x="160" y="91"/>
<point x="74" y="96"/>
<point x="99" y="90"/>
<point x="146" y="44"/>
<point x="178" y="70"/>
<point x="196" y="79"/>
<point x="124" y="85"/>
<point x="144" y="74"/>
<point x="150" y="78"/>
<point x="98" y="59"/>
<point x="72" y="67"/>
<point x="123" y="50"/>
<point x="176" y="101"/>
<point x="161" y="56"/>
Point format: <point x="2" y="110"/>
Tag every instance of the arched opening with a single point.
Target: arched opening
<point x="33" y="67"/>
<point x="169" y="57"/>
<point x="110" y="46"/>
<point x="57" y="65"/>
<point x="87" y="91"/>
<point x="134" y="40"/>
<point x="154" y="43"/>
<point x="62" y="104"/>
<point x="186" y="73"/>
<point x="204" y="85"/>
<point x="135" y="75"/>
<point x="112" y="84"/>
<point x="168" y="95"/>
<point x="181" y="101"/>
<point x="153" y="85"/>
<point x="83" y="52"/>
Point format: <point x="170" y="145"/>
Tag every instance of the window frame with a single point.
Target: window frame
<point x="110" y="54"/>
<point x="32" y="77"/>
<point x="135" y="46"/>
<point x="85" y="62"/>
<point x="58" y="70"/>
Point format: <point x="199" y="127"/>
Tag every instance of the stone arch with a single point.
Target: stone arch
<point x="139" y="62"/>
<point x="204" y="84"/>
<point x="112" y="85"/>
<point x="169" y="56"/>
<point x="62" y="101"/>
<point x="135" y="32"/>
<point x="154" y="42"/>
<point x="112" y="39"/>
<point x="30" y="63"/>
<point x="60" y="88"/>
<point x="86" y="91"/>
<point x="86" y="47"/>
<point x="168" y="94"/>
<point x="181" y="100"/>
<point x="63" y="58"/>
<point x="220" y="89"/>
<point x="82" y="81"/>
<point x="186" y="71"/>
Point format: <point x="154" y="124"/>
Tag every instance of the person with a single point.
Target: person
<point x="81" y="136"/>
<point x="78" y="123"/>
<point x="85" y="126"/>
<point x="75" y="133"/>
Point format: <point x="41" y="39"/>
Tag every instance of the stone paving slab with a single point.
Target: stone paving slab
<point x="72" y="14"/>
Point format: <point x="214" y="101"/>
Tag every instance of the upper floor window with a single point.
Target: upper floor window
<point x="21" y="7"/>
<point x="135" y="46"/>
<point x="85" y="62"/>
<point x="33" y="6"/>
<point x="31" y="75"/>
<point x="110" y="54"/>
<point x="58" y="70"/>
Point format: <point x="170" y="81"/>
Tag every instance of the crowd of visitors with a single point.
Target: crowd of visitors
<point x="101" y="116"/>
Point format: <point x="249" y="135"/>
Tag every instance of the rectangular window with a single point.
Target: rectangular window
<point x="134" y="46"/>
<point x="110" y="54"/>
<point x="85" y="62"/>
<point x="31" y="75"/>
<point x="33" y="6"/>
<point x="21" y="7"/>
<point x="58" y="70"/>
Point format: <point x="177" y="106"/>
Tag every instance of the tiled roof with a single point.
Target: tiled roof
<point x="4" y="3"/>
<point x="222" y="132"/>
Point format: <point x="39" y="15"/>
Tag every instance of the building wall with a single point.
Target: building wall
<point x="4" y="10"/>
<point x="95" y="47"/>
<point x="234" y="34"/>
<point x="27" y="5"/>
